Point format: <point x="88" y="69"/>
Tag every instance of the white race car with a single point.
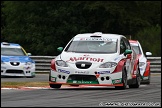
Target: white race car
<point x="96" y="59"/>
<point x="15" y="61"/>
<point x="144" y="63"/>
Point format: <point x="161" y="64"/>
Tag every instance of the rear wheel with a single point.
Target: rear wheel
<point x="55" y="85"/>
<point x="149" y="78"/>
<point x="138" y="80"/>
<point x="146" y="81"/>
<point x="124" y="80"/>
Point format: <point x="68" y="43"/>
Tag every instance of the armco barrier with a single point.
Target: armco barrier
<point x="43" y="63"/>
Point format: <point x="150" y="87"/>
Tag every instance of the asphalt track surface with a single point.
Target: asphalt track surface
<point x="37" y="78"/>
<point x="83" y="96"/>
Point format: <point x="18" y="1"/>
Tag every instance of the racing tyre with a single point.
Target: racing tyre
<point x="149" y="78"/>
<point x="147" y="81"/>
<point x="55" y="85"/>
<point x="124" y="80"/>
<point x="138" y="80"/>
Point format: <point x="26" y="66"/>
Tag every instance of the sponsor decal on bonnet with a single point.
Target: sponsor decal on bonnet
<point x="86" y="58"/>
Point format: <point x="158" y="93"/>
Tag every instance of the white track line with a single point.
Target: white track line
<point x="67" y="86"/>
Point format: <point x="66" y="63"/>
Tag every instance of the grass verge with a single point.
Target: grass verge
<point x="23" y="84"/>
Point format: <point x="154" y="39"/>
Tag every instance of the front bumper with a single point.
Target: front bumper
<point x="17" y="71"/>
<point x="90" y="78"/>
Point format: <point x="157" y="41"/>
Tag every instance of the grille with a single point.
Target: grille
<point x="14" y="71"/>
<point x="83" y="77"/>
<point x="14" y="63"/>
<point x="83" y="65"/>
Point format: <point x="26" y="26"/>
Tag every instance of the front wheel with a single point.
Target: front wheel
<point x="55" y="85"/>
<point x="124" y="80"/>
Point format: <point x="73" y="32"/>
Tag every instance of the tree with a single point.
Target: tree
<point x="42" y="26"/>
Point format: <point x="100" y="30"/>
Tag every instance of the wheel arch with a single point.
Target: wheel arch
<point x="120" y="65"/>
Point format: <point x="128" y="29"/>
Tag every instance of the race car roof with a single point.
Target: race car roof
<point x="99" y="34"/>
<point x="10" y="45"/>
<point x="134" y="42"/>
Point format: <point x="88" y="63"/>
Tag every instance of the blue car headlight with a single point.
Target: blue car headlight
<point x="108" y="65"/>
<point x="61" y="63"/>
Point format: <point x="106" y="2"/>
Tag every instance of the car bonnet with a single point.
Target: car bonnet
<point x="93" y="58"/>
<point x="21" y="59"/>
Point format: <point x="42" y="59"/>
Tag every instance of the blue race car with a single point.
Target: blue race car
<point x="15" y="61"/>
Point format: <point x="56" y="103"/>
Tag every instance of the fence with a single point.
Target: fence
<point x="43" y="63"/>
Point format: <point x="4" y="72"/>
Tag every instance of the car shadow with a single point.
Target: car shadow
<point x="85" y="88"/>
<point x="12" y="76"/>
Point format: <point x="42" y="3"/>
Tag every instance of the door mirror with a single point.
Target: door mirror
<point x="127" y="52"/>
<point x="29" y="54"/>
<point x="59" y="49"/>
<point x="148" y="53"/>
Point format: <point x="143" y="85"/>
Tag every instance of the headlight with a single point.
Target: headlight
<point x="28" y="63"/>
<point x="141" y="64"/>
<point x="61" y="63"/>
<point x="108" y="65"/>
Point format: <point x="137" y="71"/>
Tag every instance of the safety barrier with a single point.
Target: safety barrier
<point x="43" y="63"/>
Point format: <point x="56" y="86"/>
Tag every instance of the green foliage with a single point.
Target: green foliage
<point x="150" y="39"/>
<point x="42" y="26"/>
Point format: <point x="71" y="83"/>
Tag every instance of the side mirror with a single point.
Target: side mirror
<point x="127" y="52"/>
<point x="29" y="54"/>
<point x="59" y="49"/>
<point x="148" y="53"/>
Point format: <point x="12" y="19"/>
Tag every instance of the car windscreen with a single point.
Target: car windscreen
<point x="12" y="52"/>
<point x="91" y="46"/>
<point x="136" y="49"/>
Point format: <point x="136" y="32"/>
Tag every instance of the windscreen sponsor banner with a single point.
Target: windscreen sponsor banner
<point x="94" y="39"/>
